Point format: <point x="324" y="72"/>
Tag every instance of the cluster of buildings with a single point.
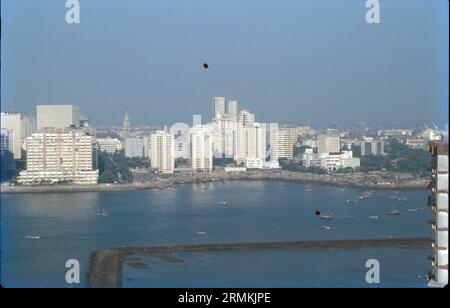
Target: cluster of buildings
<point x="60" y="146"/>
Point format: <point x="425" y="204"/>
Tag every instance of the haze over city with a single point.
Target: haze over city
<point x="298" y="61"/>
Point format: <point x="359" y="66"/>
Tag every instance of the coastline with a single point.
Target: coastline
<point x="105" y="269"/>
<point x="146" y="180"/>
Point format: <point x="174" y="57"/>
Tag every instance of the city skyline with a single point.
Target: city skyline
<point x="294" y="67"/>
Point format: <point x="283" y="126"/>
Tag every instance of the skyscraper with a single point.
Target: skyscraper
<point x="57" y="116"/>
<point x="162" y="151"/>
<point x="219" y="107"/>
<point x="7" y="166"/>
<point x="246" y="117"/>
<point x="232" y="109"/>
<point x="12" y="122"/>
<point x="285" y="145"/>
<point x="201" y="149"/>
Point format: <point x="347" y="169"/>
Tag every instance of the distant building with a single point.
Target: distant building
<point x="232" y="109"/>
<point x="334" y="161"/>
<point x="219" y="107"/>
<point x="328" y="144"/>
<point x="250" y="142"/>
<point x="109" y="145"/>
<point x="162" y="151"/>
<point x="60" y="156"/>
<point x="196" y="119"/>
<point x="246" y="117"/>
<point x="13" y="123"/>
<point x="285" y="143"/>
<point x="308" y="158"/>
<point x="181" y="133"/>
<point x="7" y="165"/>
<point x="28" y="126"/>
<point x="134" y="147"/>
<point x="372" y="147"/>
<point x="416" y="144"/>
<point x="201" y="147"/>
<point x="57" y="116"/>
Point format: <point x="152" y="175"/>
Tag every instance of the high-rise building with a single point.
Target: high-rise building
<point x="7" y="165"/>
<point x="328" y="144"/>
<point x="28" y="126"/>
<point x="60" y="156"/>
<point x="181" y="133"/>
<point x="285" y="143"/>
<point x="438" y="201"/>
<point x="109" y="145"/>
<point x="134" y="147"/>
<point x="162" y="151"/>
<point x="250" y="142"/>
<point x="232" y="109"/>
<point x="57" y="116"/>
<point x="372" y="147"/>
<point x="219" y="107"/>
<point x="201" y="149"/>
<point x="196" y="119"/>
<point x="246" y="117"/>
<point x="13" y="123"/>
<point x="272" y="141"/>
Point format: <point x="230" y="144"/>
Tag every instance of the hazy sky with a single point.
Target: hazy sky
<point x="311" y="61"/>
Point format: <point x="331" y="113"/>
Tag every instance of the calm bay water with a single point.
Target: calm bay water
<point x="69" y="228"/>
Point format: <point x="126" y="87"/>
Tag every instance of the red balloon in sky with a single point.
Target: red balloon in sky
<point x="205" y="65"/>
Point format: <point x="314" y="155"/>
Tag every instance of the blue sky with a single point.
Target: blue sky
<point x="310" y="61"/>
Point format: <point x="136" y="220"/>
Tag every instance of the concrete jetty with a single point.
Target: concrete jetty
<point x="105" y="268"/>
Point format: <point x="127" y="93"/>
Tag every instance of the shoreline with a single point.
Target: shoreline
<point x="145" y="180"/>
<point x="106" y="266"/>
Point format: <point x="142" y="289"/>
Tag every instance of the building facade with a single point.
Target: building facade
<point x="60" y="156"/>
<point x="13" y="123"/>
<point x="162" y="152"/>
<point x="57" y="116"/>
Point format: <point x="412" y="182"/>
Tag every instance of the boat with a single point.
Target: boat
<point x="340" y="189"/>
<point x="402" y="198"/>
<point x="308" y="190"/>
<point x="201" y="233"/>
<point x="353" y="200"/>
<point x="222" y="202"/>
<point x="33" y="237"/>
<point x="415" y="210"/>
<point x="392" y="197"/>
<point x="326" y="227"/>
<point x="325" y="216"/>
<point x="394" y="212"/>
<point x="367" y="194"/>
<point x="373" y="217"/>
<point x="102" y="213"/>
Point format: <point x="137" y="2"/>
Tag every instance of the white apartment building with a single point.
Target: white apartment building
<point x="328" y="144"/>
<point x="246" y="117"/>
<point x="57" y="116"/>
<point x="134" y="147"/>
<point x="109" y="145"/>
<point x="59" y="156"/>
<point x="201" y="149"/>
<point x="162" y="151"/>
<point x="250" y="142"/>
<point x="333" y="162"/>
<point x="13" y="123"/>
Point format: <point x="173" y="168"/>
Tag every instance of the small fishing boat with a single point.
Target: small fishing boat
<point x="201" y="233"/>
<point x="373" y="217"/>
<point x="222" y="202"/>
<point x="325" y="216"/>
<point x="33" y="237"/>
<point x="308" y="190"/>
<point x="402" y="198"/>
<point x="353" y="200"/>
<point x="326" y="227"/>
<point x="393" y="212"/>
<point x="103" y="213"/>
<point x="415" y="209"/>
